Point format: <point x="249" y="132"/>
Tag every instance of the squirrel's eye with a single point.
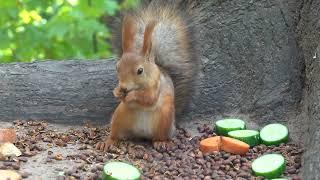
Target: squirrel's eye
<point x="140" y="71"/>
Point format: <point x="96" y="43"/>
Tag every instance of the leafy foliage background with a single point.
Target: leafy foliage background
<point x="56" y="29"/>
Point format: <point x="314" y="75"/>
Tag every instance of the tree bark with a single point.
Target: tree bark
<point x="308" y="31"/>
<point x="57" y="91"/>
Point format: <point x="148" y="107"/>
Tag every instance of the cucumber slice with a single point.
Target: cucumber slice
<point x="274" y="134"/>
<point x="269" y="166"/>
<point x="226" y="125"/>
<point x="250" y="137"/>
<point x="120" y="170"/>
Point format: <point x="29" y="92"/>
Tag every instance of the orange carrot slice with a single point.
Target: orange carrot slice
<point x="210" y="144"/>
<point x="7" y="135"/>
<point x="234" y="146"/>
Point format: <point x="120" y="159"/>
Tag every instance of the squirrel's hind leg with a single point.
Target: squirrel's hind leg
<point x="164" y="128"/>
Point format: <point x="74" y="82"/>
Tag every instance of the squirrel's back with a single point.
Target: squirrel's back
<point x="173" y="43"/>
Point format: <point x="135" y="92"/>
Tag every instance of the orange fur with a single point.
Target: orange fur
<point x="147" y="43"/>
<point x="175" y="44"/>
<point x="121" y="122"/>
<point x="143" y="97"/>
<point x="147" y="98"/>
<point x="128" y="34"/>
<point x="165" y="117"/>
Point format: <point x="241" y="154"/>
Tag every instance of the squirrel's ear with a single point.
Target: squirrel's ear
<point x="128" y="34"/>
<point x="147" y="39"/>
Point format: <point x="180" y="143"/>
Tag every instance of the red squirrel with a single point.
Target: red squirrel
<point x="156" y="73"/>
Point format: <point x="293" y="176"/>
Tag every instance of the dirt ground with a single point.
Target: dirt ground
<point x="37" y="165"/>
<point x="39" y="168"/>
<point x="55" y="151"/>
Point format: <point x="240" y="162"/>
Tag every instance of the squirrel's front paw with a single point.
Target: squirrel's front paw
<point x="130" y="97"/>
<point x="118" y="93"/>
<point x="105" y="145"/>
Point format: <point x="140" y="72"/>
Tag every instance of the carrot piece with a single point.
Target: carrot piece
<point x="234" y="146"/>
<point x="210" y="144"/>
<point x="8" y="135"/>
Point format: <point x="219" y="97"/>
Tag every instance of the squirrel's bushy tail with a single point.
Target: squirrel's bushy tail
<point x="174" y="43"/>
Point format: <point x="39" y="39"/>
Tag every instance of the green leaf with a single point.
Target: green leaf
<point x="8" y="4"/>
<point x="111" y="7"/>
<point x="56" y="29"/>
<point x="5" y="40"/>
<point x="129" y="3"/>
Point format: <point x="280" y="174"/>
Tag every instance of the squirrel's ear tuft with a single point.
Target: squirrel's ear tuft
<point x="147" y="39"/>
<point x="128" y="34"/>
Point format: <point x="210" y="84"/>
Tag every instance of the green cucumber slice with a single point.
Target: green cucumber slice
<point x="274" y="134"/>
<point x="120" y="170"/>
<point x="226" y="125"/>
<point x="250" y="137"/>
<point x="269" y="166"/>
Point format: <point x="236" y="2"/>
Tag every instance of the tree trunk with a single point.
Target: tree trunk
<point x="57" y="91"/>
<point x="308" y="31"/>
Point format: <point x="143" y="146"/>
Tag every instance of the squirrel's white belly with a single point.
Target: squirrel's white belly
<point x="144" y="125"/>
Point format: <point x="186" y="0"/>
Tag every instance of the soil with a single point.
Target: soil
<point x="53" y="151"/>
